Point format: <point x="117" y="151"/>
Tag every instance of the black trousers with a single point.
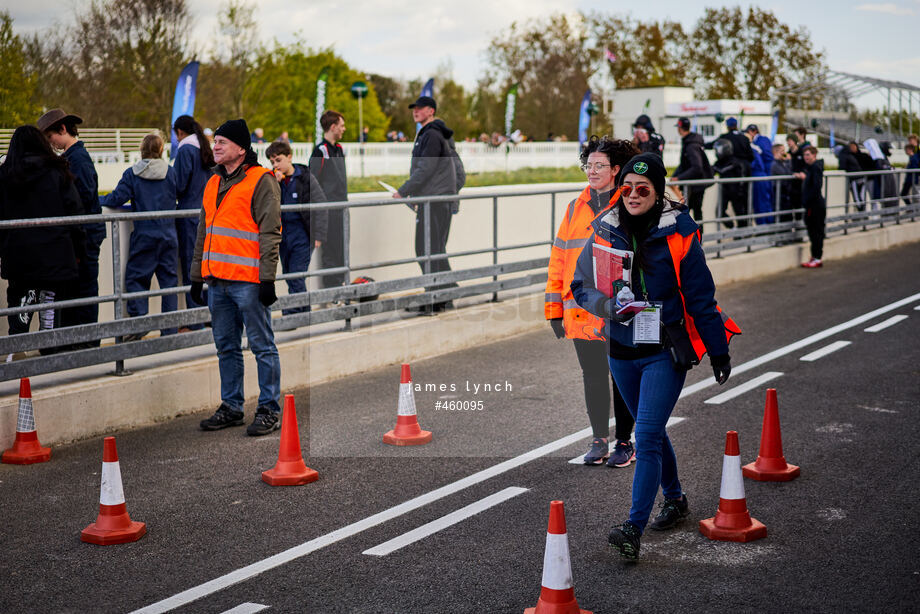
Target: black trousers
<point x="695" y="202"/>
<point x="440" y="229"/>
<point x="814" y="223"/>
<point x="333" y="248"/>
<point x="595" y="370"/>
<point x="737" y="195"/>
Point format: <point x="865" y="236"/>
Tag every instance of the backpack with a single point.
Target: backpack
<point x="459" y="171"/>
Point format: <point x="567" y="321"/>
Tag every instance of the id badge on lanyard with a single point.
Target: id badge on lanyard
<point x="647" y="324"/>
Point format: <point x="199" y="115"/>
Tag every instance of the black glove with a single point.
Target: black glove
<point x="558" y="328"/>
<point x="721" y="367"/>
<point x="267" y="294"/>
<point x="610" y="308"/>
<point x="197" y="289"/>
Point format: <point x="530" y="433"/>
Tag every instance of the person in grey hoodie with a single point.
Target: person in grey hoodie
<point x="150" y="185"/>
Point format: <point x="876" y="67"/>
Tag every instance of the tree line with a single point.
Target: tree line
<point x="117" y="61"/>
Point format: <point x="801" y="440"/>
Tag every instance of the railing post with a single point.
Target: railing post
<point x="346" y="252"/>
<point x="552" y="217"/>
<point x="847" y="184"/>
<point x="118" y="286"/>
<point x="495" y="242"/>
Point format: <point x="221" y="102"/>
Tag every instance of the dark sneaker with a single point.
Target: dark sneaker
<point x="623" y="454"/>
<point x="598" y="452"/>
<point x="264" y="423"/>
<point x="672" y="512"/>
<point x="625" y="538"/>
<point x="224" y="416"/>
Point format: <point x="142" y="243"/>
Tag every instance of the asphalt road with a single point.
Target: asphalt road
<point x="841" y="537"/>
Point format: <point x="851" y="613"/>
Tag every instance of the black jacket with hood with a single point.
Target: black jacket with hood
<point x="693" y="162"/>
<point x="46" y="254"/>
<point x="432" y="172"/>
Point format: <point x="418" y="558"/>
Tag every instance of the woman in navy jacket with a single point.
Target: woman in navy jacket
<point x="150" y="185"/>
<point x="646" y="374"/>
<point x="193" y="163"/>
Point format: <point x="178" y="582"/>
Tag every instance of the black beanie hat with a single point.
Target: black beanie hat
<point x="648" y="165"/>
<point x="237" y="131"/>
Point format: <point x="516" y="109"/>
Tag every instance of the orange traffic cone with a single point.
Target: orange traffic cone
<point x="557" y="593"/>
<point x="771" y="465"/>
<point x="26" y="449"/>
<point x="407" y="432"/>
<point x="290" y="470"/>
<point x="732" y="522"/>
<point x="113" y="525"/>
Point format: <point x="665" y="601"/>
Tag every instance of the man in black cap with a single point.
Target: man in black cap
<point x="645" y="137"/>
<point x="693" y="165"/>
<point x="60" y="128"/>
<point x="433" y="172"/>
<point x="236" y="252"/>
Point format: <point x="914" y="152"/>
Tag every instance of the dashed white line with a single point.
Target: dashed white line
<point x="443" y="522"/>
<point x="885" y="324"/>
<point x="579" y="460"/>
<point x="745" y="387"/>
<point x="798" y="345"/>
<point x="828" y="349"/>
<point x="247" y="608"/>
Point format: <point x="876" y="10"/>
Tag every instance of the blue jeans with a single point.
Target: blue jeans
<point x="296" y="250"/>
<point x="234" y="304"/>
<point x="650" y="386"/>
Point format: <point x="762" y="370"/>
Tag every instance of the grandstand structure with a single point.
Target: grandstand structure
<point x="836" y="90"/>
<point x="103" y="144"/>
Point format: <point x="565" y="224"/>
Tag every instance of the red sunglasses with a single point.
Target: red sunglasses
<point x="641" y="190"/>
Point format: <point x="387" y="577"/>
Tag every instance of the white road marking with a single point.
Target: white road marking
<point x="828" y="349"/>
<point x="917" y="308"/>
<point x="737" y="391"/>
<point x="322" y="541"/>
<point x="798" y="345"/>
<point x="247" y="608"/>
<point x="444" y="521"/>
<point x="880" y="410"/>
<point x="885" y="324"/>
<point x="580" y="459"/>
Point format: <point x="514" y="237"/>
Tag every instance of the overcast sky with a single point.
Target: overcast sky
<point x="410" y="39"/>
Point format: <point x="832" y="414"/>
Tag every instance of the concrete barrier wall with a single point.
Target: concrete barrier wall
<point x="72" y="406"/>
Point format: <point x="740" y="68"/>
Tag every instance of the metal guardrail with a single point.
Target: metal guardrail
<point x="351" y="301"/>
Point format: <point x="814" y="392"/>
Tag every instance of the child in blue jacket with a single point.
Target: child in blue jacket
<point x="661" y="235"/>
<point x="150" y="185"/>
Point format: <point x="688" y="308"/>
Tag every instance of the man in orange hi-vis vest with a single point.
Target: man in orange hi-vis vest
<point x="236" y="252"/>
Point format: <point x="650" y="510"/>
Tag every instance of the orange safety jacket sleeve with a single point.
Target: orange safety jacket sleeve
<point x="552" y="306"/>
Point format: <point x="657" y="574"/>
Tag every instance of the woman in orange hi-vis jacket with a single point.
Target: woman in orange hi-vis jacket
<point x="601" y="160"/>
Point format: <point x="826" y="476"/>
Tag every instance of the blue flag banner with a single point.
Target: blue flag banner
<point x="427" y="90"/>
<point x="183" y="101"/>
<point x="774" y="126"/>
<point x="833" y="141"/>
<point x="584" y="118"/>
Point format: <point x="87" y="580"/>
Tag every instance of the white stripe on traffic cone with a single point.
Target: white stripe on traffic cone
<point x="732" y="521"/>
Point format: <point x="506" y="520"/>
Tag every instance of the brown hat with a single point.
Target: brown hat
<point x="55" y="116"/>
